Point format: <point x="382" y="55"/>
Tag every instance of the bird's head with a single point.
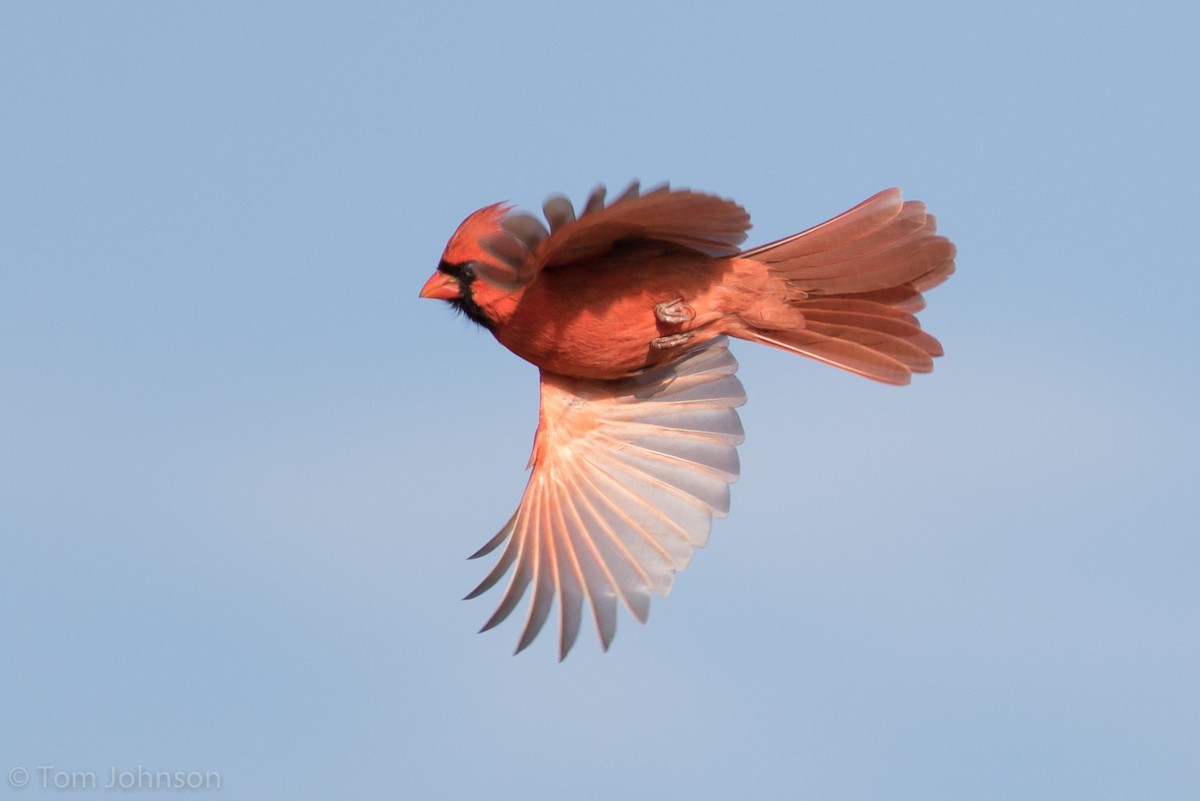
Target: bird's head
<point x="464" y="260"/>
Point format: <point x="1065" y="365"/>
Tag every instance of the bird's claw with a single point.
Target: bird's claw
<point x="671" y="341"/>
<point x="674" y="311"/>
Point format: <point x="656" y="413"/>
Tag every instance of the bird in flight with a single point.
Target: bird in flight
<point x="626" y="308"/>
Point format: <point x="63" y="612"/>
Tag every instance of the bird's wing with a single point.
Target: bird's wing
<point x="627" y="476"/>
<point x="705" y="223"/>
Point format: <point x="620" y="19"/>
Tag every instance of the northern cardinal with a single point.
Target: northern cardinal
<point x="626" y="309"/>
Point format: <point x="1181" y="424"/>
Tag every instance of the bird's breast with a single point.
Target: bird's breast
<point x="599" y="321"/>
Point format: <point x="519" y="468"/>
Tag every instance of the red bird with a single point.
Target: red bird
<point x="626" y="309"/>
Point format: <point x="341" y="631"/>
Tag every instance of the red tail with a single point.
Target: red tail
<point x="844" y="292"/>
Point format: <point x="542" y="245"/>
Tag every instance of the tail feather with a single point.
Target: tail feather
<point x="865" y="218"/>
<point x="906" y="298"/>
<point x="845" y="291"/>
<point x="842" y="352"/>
<point x="853" y="303"/>
<point x="878" y="324"/>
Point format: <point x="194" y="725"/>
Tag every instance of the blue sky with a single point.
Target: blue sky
<point x="241" y="464"/>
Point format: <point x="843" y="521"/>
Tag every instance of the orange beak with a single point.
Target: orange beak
<point x="441" y="287"/>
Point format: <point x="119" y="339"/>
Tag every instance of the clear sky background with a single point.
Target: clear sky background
<point x="241" y="463"/>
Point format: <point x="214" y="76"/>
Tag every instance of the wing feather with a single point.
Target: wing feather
<point x="523" y="247"/>
<point x="525" y="562"/>
<point x="569" y="586"/>
<point x="627" y="476"/>
<point x="631" y="583"/>
<point x="673" y="517"/>
<point x="598" y="582"/>
<point x="544" y="578"/>
<point x="507" y="557"/>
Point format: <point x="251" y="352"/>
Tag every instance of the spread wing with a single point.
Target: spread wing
<point x="627" y="476"/>
<point x="704" y="223"/>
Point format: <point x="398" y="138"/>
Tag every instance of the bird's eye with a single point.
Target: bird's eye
<point x="460" y="272"/>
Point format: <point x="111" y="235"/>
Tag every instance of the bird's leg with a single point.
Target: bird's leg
<point x="674" y="311"/>
<point x="674" y="340"/>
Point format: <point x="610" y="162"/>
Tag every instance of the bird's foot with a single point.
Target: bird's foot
<point x="672" y="341"/>
<point x="674" y="311"/>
